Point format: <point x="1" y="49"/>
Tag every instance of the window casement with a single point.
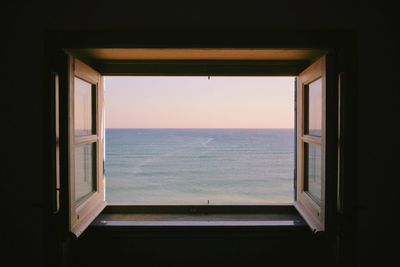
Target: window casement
<point x="86" y="198"/>
<point x="310" y="137"/>
<point x="86" y="145"/>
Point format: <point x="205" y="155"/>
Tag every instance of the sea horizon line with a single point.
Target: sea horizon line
<point x="195" y="128"/>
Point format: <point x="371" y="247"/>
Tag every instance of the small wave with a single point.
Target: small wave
<point x="205" y="143"/>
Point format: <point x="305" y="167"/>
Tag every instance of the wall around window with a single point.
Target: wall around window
<point x="24" y="104"/>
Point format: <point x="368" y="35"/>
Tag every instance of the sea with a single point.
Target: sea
<point x="199" y="166"/>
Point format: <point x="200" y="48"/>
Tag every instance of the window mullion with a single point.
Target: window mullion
<point x="312" y="139"/>
<point x="86" y="139"/>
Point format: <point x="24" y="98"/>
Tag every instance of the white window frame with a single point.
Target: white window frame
<point x="82" y="213"/>
<point x="312" y="212"/>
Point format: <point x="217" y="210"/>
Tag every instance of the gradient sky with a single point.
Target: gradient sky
<point x="199" y="102"/>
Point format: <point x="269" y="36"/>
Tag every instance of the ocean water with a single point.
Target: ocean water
<point x="199" y="166"/>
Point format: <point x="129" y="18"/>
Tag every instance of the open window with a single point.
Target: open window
<point x="86" y="143"/>
<point x="86" y="115"/>
<point x="310" y="137"/>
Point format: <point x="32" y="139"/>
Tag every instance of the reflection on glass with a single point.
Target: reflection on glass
<point x="312" y="171"/>
<point x="85" y="174"/>
<point x="313" y="93"/>
<point x="83" y="108"/>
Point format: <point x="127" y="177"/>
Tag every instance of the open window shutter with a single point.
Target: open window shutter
<point x="310" y="119"/>
<point x="86" y="145"/>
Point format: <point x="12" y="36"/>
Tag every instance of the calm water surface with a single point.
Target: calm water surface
<point x="199" y="166"/>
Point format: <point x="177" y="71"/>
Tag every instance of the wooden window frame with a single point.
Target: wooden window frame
<point x="83" y="212"/>
<point x="305" y="205"/>
<point x="312" y="212"/>
<point x="86" y="70"/>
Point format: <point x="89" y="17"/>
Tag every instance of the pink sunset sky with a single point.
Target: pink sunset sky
<point x="199" y="102"/>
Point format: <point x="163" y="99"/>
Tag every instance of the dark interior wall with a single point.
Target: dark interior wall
<point x="22" y="98"/>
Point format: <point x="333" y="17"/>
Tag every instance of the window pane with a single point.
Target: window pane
<point x="85" y="170"/>
<point x="312" y="171"/>
<point x="84" y="105"/>
<point x="313" y="93"/>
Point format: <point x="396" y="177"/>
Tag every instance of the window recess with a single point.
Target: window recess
<point x="86" y="118"/>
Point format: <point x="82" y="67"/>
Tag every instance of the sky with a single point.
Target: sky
<point x="199" y="102"/>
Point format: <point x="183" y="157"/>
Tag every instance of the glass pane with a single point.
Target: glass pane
<point x="312" y="171"/>
<point x="84" y="105"/>
<point x="313" y="93"/>
<point x="85" y="170"/>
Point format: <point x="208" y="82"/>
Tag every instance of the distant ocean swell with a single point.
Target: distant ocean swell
<point x="199" y="166"/>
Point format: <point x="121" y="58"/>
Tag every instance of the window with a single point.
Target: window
<point x="86" y="115"/>
<point x="311" y="144"/>
<point x="86" y="142"/>
<point x="185" y="140"/>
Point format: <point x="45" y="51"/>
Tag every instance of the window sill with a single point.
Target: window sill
<point x="200" y="217"/>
